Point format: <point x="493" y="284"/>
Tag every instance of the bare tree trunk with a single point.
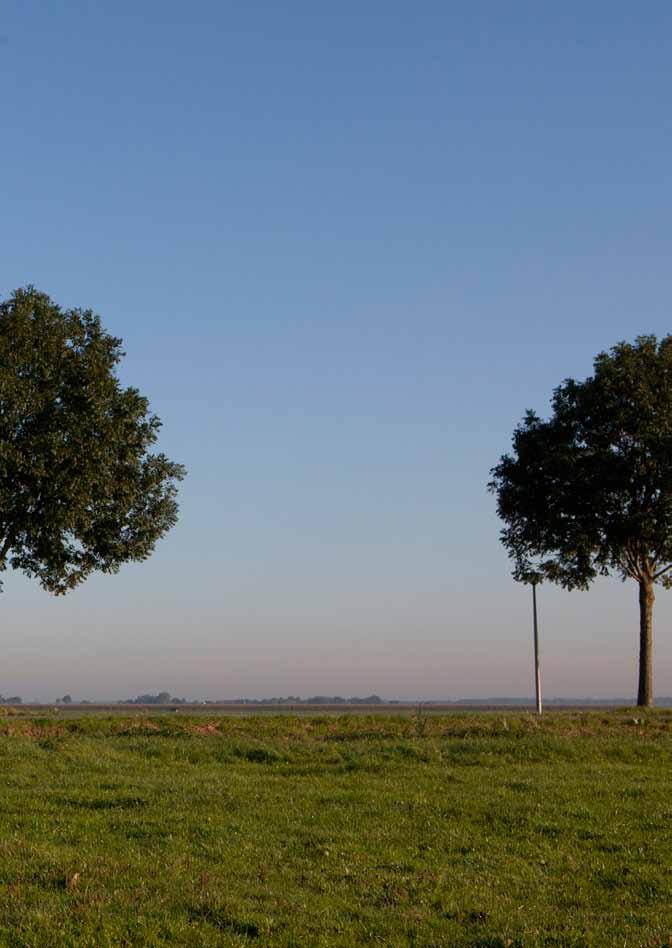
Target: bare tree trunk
<point x="646" y="599"/>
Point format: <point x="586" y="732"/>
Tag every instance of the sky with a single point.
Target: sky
<point x="346" y="246"/>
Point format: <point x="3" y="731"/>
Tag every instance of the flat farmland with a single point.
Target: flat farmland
<point x="481" y="830"/>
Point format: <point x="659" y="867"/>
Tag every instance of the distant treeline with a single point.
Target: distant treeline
<point x="295" y="699"/>
<point x="163" y="697"/>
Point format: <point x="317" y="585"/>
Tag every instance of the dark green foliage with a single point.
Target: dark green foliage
<point x="79" y="490"/>
<point x="590" y="490"/>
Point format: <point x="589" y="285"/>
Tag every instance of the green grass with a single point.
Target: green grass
<point x="451" y="830"/>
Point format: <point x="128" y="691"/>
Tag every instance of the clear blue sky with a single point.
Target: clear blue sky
<point x="346" y="246"/>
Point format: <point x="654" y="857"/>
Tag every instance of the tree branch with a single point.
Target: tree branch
<point x="632" y="565"/>
<point x="7" y="545"/>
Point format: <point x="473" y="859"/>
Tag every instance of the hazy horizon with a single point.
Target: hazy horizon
<point x="192" y="656"/>
<point x="346" y="249"/>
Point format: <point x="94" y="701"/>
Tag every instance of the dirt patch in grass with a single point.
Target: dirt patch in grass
<point x="37" y="732"/>
<point x="209" y="728"/>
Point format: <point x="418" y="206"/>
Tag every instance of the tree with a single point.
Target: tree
<point x="79" y="490"/>
<point x="589" y="491"/>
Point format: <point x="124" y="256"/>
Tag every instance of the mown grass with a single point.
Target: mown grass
<point x="487" y="831"/>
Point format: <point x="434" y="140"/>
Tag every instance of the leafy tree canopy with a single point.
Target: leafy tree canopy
<point x="79" y="489"/>
<point x="590" y="490"/>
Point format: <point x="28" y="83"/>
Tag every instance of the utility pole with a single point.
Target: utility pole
<point x="537" y="673"/>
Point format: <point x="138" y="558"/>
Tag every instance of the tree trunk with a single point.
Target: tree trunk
<point x="646" y="598"/>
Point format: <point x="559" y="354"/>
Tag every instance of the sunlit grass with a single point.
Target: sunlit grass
<point x="461" y="830"/>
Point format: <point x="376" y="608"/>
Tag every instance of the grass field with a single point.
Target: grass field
<point x="464" y="830"/>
